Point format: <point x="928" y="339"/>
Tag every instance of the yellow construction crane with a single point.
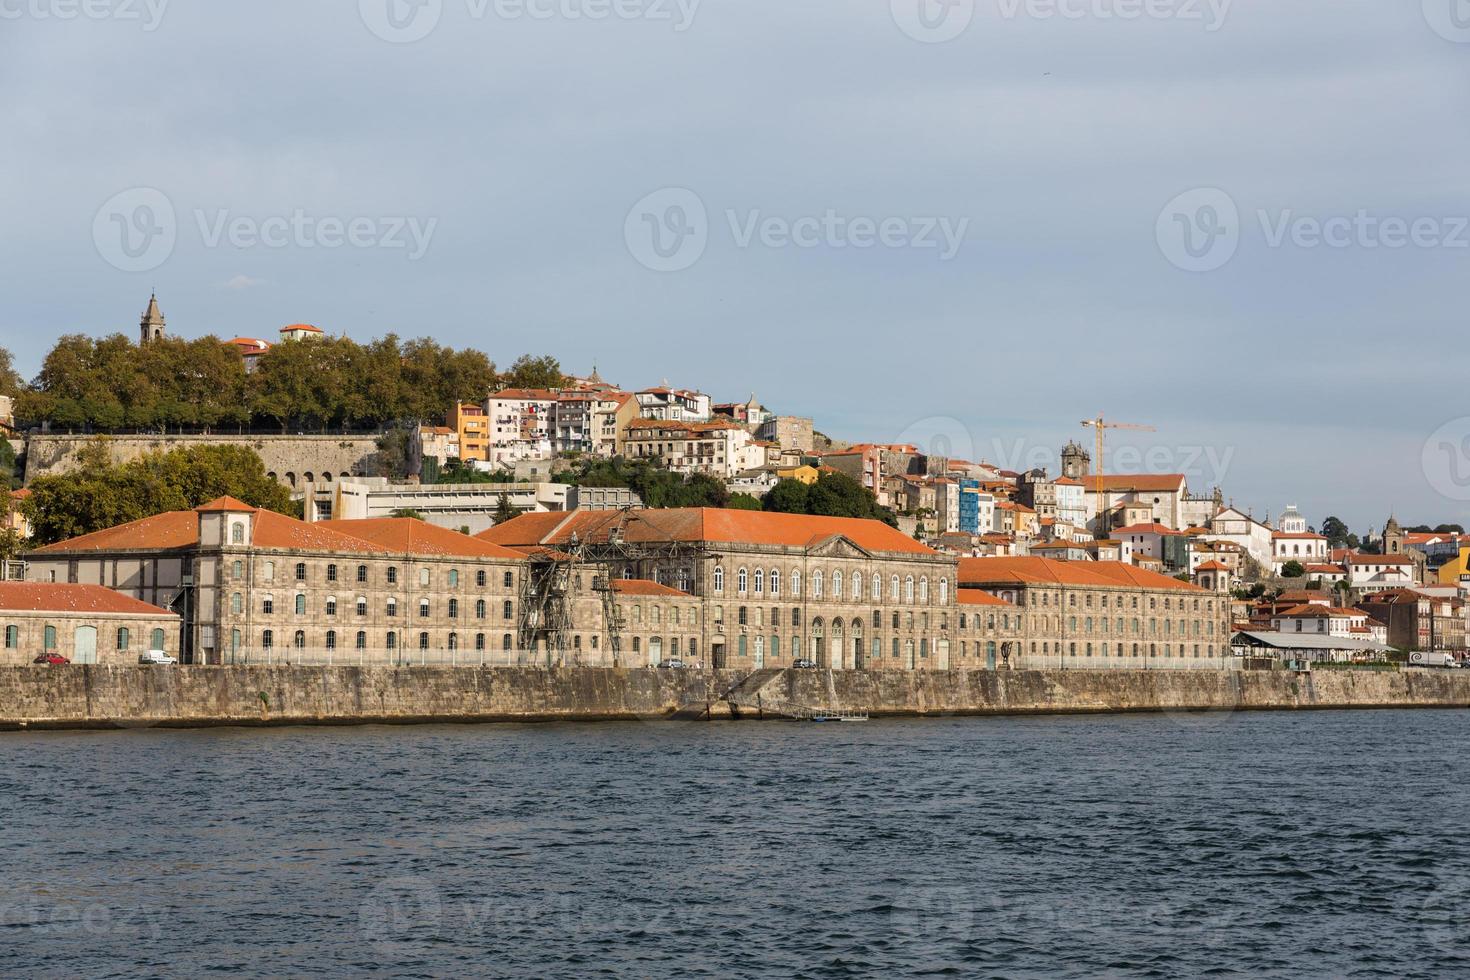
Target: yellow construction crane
<point x="1099" y="426"/>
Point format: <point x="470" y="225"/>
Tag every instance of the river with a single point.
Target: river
<point x="1247" y="844"/>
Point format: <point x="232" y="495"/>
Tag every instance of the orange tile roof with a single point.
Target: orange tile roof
<point x="411" y="536"/>
<point x="1297" y="534"/>
<point x="174" y="530"/>
<point x="977" y="597"/>
<point x="1212" y="566"/>
<point x="702" y="524"/>
<point x="695" y="427"/>
<point x="61" y="598"/>
<point x="1155" y="482"/>
<point x="1046" y="571"/>
<point x="1151" y="528"/>
<point x="638" y="586"/>
<point x="300" y="326"/>
<point x="225" y="505"/>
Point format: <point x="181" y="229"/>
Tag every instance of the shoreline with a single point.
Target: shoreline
<point x="91" y="697"/>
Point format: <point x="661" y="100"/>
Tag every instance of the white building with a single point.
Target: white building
<point x="1071" y="501"/>
<point x="674" y="405"/>
<point x="721" y="449"/>
<point x="454" y="506"/>
<point x="521" y="421"/>
<point x="1146" y="540"/>
<point x="1375" y="573"/>
<point x="1242" y="529"/>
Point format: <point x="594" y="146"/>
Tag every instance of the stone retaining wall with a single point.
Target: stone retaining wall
<point x="129" y="696"/>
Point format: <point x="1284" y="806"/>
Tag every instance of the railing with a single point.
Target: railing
<point x="405" y="657"/>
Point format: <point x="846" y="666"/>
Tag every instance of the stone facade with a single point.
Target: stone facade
<point x="85" y="624"/>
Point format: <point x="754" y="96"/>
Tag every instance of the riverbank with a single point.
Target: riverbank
<point x="129" y="697"/>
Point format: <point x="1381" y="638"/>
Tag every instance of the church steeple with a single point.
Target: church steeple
<point x="151" y="326"/>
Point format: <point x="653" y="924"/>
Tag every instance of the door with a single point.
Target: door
<point x="655" y="651"/>
<point x="760" y="652"/>
<point x="857" y="653"/>
<point x="909" y="654"/>
<point x="990" y="655"/>
<point x="717" y="656"/>
<point x="84" y="646"/>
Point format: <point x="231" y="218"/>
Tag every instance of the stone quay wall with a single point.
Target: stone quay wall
<point x="327" y="458"/>
<point x="102" y="696"/>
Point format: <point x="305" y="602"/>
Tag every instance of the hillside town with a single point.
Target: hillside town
<point x="512" y="530"/>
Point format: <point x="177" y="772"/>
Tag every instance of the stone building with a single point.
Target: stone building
<point x="1076" y="612"/>
<point x="763" y="589"/>
<point x="87" y="624"/>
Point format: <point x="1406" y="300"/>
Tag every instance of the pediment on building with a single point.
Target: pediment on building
<point x="835" y="546"/>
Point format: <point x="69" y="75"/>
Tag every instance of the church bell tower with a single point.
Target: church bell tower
<point x="151" y="326"/>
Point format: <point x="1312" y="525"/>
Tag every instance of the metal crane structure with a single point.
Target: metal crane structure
<point x="553" y="580"/>
<point x="1099" y="426"/>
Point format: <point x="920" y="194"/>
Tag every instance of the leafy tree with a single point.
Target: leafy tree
<point x="534" y="372"/>
<point x="99" y="494"/>
<point x="504" y="511"/>
<point x="786" y="497"/>
<point x="11" y="382"/>
<point x="743" y="501"/>
<point x="407" y="512"/>
<point x="1449" y="529"/>
<point x="9" y="467"/>
<point x="1293" y="569"/>
<point x="1335" y="531"/>
<point x="394" y="458"/>
<point x="833" y="495"/>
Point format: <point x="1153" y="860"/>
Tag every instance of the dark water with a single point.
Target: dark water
<point x="1244" y="845"/>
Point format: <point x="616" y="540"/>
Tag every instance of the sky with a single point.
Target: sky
<point x="966" y="224"/>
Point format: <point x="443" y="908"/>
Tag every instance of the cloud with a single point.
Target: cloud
<point x="242" y="281"/>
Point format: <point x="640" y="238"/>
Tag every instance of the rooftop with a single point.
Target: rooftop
<point x="62" y="598"/>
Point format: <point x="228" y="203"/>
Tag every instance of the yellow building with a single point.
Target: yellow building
<point x="1451" y="572"/>
<point x="471" y="423"/>
<point x="802" y="474"/>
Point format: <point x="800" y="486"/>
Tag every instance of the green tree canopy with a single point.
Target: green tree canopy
<point x="11" y="382"/>
<point x="833" y="495"/>
<point x="1293" y="569"/>
<point x="99" y="494"/>
<point x="534" y="372"/>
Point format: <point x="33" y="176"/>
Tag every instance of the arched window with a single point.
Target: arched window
<point x="924" y="590"/>
<point x="362" y="605"/>
<point x="361" y="640"/>
<point x="300" y="604"/>
<point x="237" y="570"/>
<point x="836" y="585"/>
<point x="796" y="583"/>
<point x="893" y="588"/>
<point x="392" y="606"/>
<point x="453" y="608"/>
<point x="423" y="577"/>
<point x="299" y="641"/>
<point x="857" y="587"/>
<point x="331" y="639"/>
<point x="508" y="610"/>
<point x="301" y="571"/>
<point x="237" y="533"/>
<point x="331" y="605"/>
<point x="877" y="619"/>
<point x="423" y="608"/>
<point x="760" y="581"/>
<point x="331" y="573"/>
<point x="454" y="641"/>
<point x="817" y="584"/>
<point x="775" y="581"/>
<point x="505" y="642"/>
<point x="741" y="580"/>
<point x="267" y="605"/>
<point x="944" y="592"/>
<point x="267" y="639"/>
<point x="719" y="579"/>
<point x="268" y="572"/>
<point x="123" y="636"/>
<point x="908" y="589"/>
<point x="362" y="573"/>
<point x="237" y="603"/>
<point x="877" y="587"/>
<point x="423" y="641"/>
<point x="479" y="641"/>
<point x="479" y="578"/>
<point x="479" y="608"/>
<point x="392" y="640"/>
<point x="454" y="578"/>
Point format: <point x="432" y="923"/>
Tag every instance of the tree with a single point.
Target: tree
<point x="99" y="494"/>
<point x="833" y="495"/>
<point x="534" y="372"/>
<point x="11" y="382"/>
<point x="504" y="511"/>
<point x="406" y="512"/>
<point x="1293" y="569"/>
<point x="9" y="469"/>
<point x="786" y="497"/>
<point x="1335" y="531"/>
<point x="743" y="501"/>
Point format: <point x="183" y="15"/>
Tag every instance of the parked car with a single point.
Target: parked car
<point x="671" y="664"/>
<point x="156" y="657"/>
<point x="51" y="658"/>
<point x="804" y="664"/>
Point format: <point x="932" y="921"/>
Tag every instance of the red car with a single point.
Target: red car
<point x="51" y="658"/>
